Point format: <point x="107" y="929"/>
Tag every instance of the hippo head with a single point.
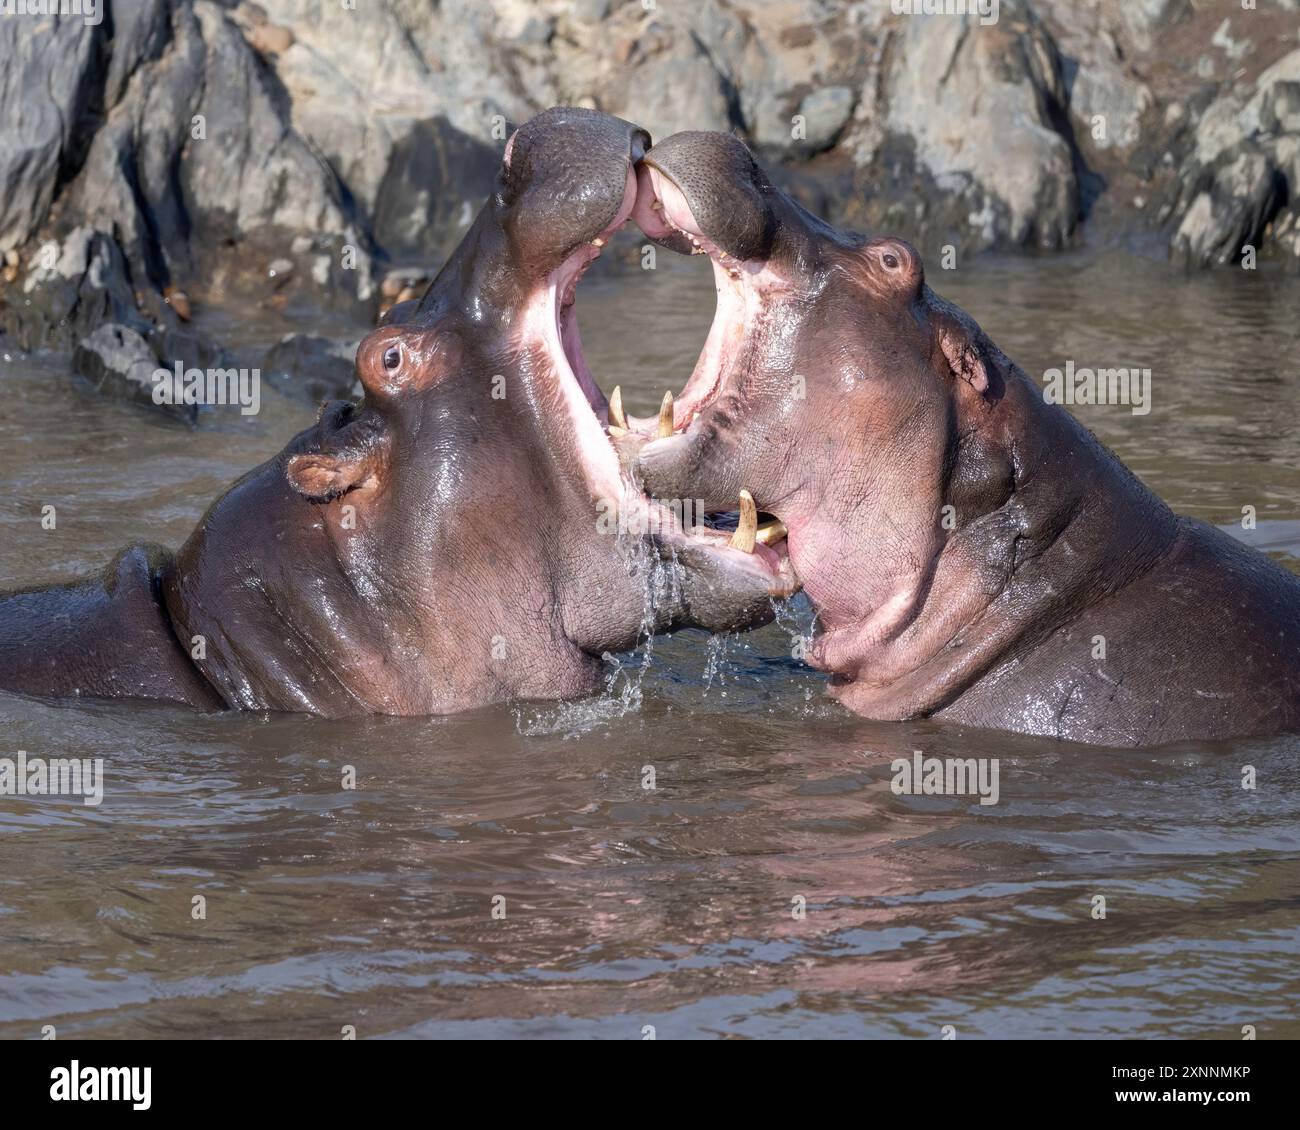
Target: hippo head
<point x="499" y="522"/>
<point x="834" y="386"/>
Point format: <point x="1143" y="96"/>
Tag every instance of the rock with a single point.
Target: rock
<point x="1001" y="175"/>
<point x="422" y="159"/>
<point x="251" y="15"/>
<point x="120" y="363"/>
<point x="310" y="368"/>
<point x="1230" y="212"/>
<point x="1143" y="17"/>
<point x="1243" y="168"/>
<point x="69" y="290"/>
<point x="435" y="180"/>
<point x="671" y="76"/>
<point x="141" y="32"/>
<point x="179" y="301"/>
<point x="825" y="113"/>
<point x="200" y="173"/>
<point x="404" y="278"/>
<point x="187" y="144"/>
<point x="47" y="85"/>
<point x="270" y="39"/>
<point x="590" y="11"/>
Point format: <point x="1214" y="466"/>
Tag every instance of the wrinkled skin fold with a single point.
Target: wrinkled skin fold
<point x="973" y="552"/>
<point x="451" y="541"/>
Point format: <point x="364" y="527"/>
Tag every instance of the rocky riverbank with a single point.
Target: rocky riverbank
<point x="183" y="152"/>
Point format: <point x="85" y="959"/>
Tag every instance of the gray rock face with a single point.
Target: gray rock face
<point x="980" y="107"/>
<point x="1244" y="165"/>
<point x="70" y="288"/>
<point x="47" y="84"/>
<point x="198" y="156"/>
<point x="278" y="151"/>
<point x="825" y="113"/>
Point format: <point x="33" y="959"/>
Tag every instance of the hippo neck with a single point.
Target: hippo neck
<point x="1048" y="521"/>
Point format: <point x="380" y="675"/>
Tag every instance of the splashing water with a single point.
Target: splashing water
<point x="796" y="615"/>
<point x="715" y="659"/>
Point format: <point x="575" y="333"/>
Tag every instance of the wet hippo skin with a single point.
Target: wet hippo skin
<point x="438" y="546"/>
<point x="973" y="552"/>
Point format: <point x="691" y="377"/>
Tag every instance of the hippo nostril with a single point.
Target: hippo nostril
<point x="392" y="357"/>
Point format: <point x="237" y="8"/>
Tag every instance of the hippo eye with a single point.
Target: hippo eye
<point x="392" y="357"/>
<point x="891" y="260"/>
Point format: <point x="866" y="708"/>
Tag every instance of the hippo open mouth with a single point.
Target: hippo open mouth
<point x="606" y="439"/>
<point x="745" y="284"/>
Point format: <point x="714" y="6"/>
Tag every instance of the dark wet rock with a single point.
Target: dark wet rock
<point x="68" y="290"/>
<point x="311" y="368"/>
<point x="408" y="218"/>
<point x="121" y="364"/>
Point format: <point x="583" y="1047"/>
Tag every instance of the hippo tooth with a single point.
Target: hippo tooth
<point x="770" y="532"/>
<point x="616" y="416"/>
<point x="747" y="528"/>
<point x="616" y="431"/>
<point x="597" y="242"/>
<point x="666" y="416"/>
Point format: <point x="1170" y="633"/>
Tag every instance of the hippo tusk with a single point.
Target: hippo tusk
<point x="616" y="416"/>
<point x="666" y="416"/>
<point x="747" y="528"/>
<point x="771" y="532"/>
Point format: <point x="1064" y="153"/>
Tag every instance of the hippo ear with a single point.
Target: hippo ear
<point x="324" y="476"/>
<point x="962" y="350"/>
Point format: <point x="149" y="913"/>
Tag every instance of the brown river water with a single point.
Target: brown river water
<point x="676" y="908"/>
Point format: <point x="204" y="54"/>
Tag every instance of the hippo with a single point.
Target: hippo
<point x="974" y="554"/>
<point x="463" y="535"/>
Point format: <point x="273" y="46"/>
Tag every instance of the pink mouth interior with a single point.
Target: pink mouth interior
<point x="661" y="211"/>
<point x="553" y="314"/>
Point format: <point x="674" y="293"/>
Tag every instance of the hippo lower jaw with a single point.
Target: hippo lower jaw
<point x="605" y="442"/>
